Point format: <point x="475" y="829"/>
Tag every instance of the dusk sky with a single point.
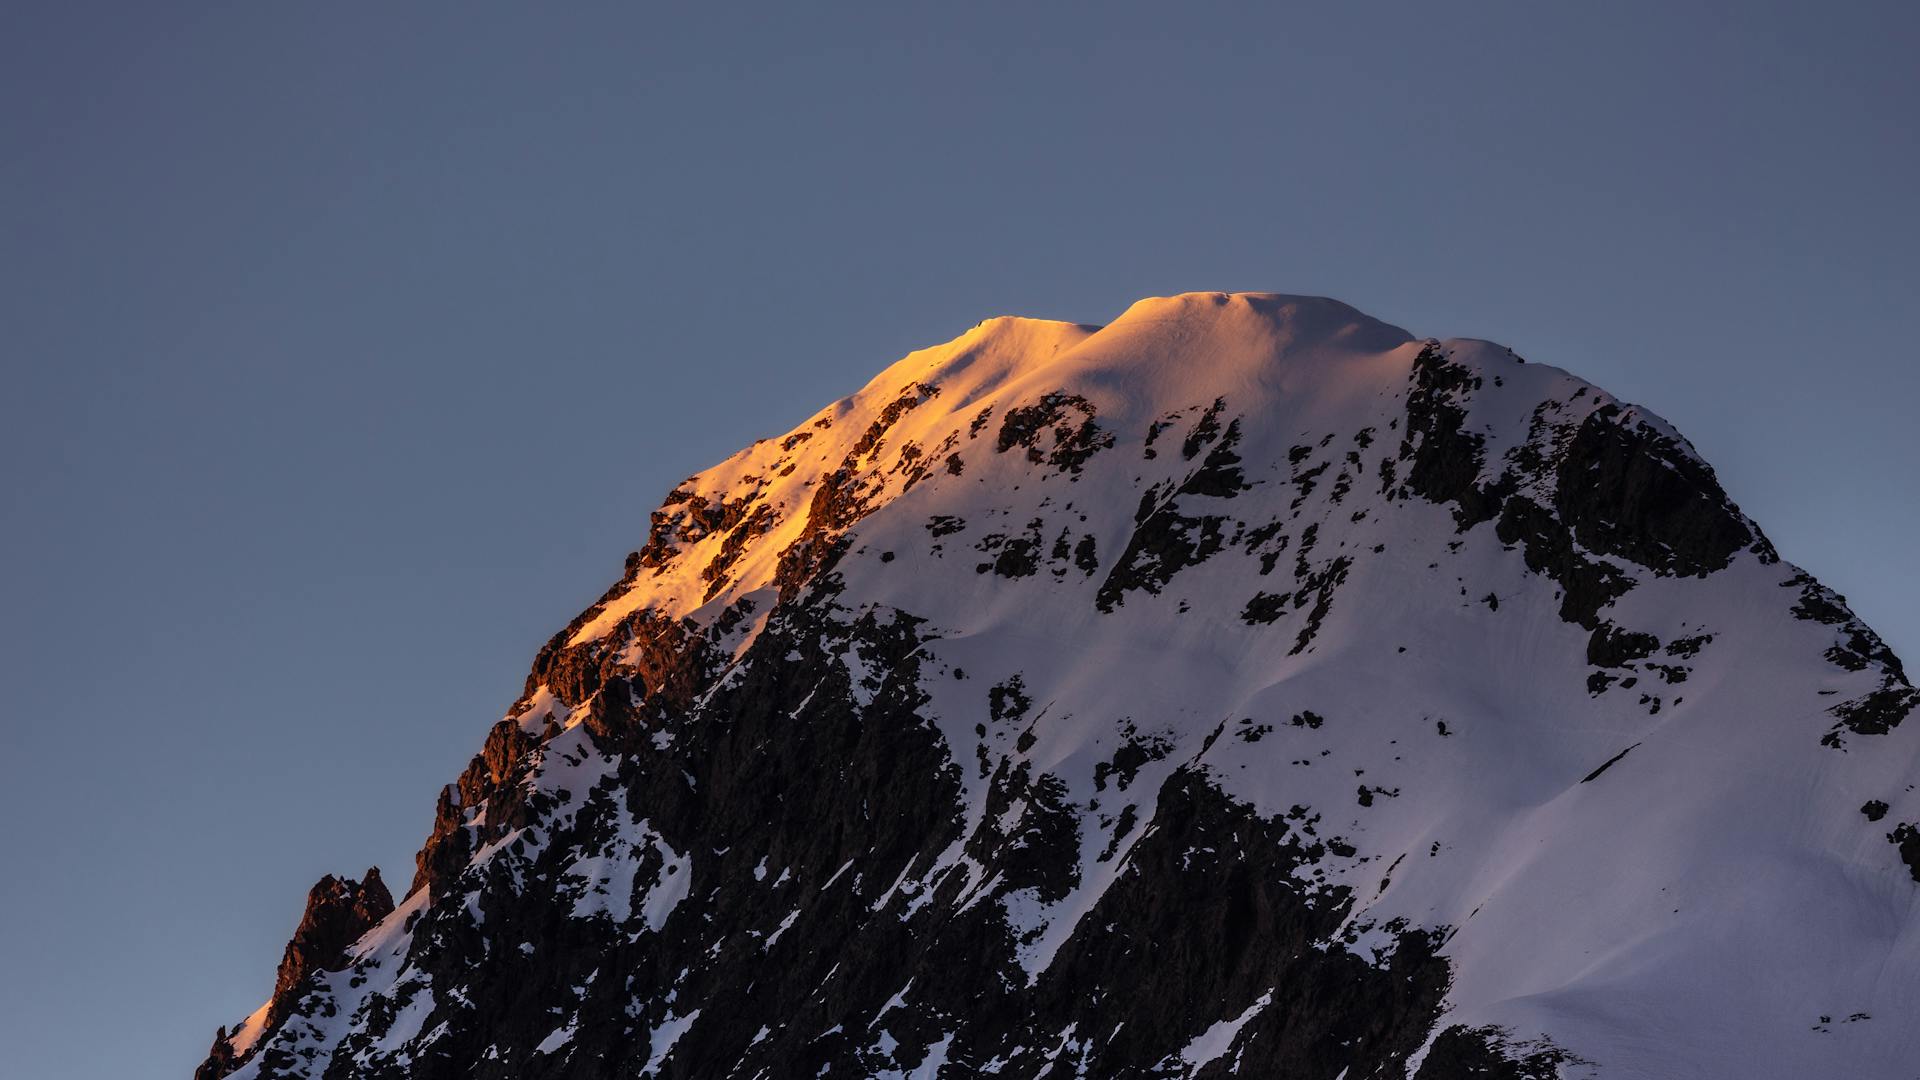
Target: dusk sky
<point x="348" y="347"/>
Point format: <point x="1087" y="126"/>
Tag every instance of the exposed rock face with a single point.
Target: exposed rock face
<point x="1632" y="492"/>
<point x="339" y="911"/>
<point x="1243" y="688"/>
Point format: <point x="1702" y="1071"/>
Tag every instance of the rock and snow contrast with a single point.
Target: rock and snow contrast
<point x="1243" y="688"/>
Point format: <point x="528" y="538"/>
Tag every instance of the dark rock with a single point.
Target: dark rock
<point x="1075" y="437"/>
<point x="1205" y="430"/>
<point x="1135" y="751"/>
<point x="1490" y="1053"/>
<point x="1627" y="490"/>
<point x="1085" y="557"/>
<point x="1586" y="586"/>
<point x="1265" y="607"/>
<point x="1444" y="459"/>
<point x="1166" y="541"/>
<point x="1607" y="764"/>
<point x="1907" y="839"/>
<point x="1610" y="646"/>
<point x="1321" y="586"/>
<point x="1686" y="648"/>
<point x="1874" y="714"/>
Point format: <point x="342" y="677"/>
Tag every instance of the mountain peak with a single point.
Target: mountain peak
<point x="1243" y="686"/>
<point x="1303" y="319"/>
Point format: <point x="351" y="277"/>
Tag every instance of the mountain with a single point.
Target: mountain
<point x="1245" y="687"/>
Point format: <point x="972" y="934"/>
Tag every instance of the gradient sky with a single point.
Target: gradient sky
<point x="348" y="346"/>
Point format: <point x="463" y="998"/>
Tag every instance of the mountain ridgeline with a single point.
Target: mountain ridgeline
<point x="1242" y="688"/>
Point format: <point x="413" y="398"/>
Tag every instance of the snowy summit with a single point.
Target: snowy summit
<point x="1244" y="687"/>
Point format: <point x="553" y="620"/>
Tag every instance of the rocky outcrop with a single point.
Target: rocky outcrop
<point x="1632" y="492"/>
<point x="339" y="911"/>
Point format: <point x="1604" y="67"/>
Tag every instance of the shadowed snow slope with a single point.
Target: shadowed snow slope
<point x="1241" y="688"/>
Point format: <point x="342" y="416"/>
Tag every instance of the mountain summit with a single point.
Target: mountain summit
<point x="1245" y="687"/>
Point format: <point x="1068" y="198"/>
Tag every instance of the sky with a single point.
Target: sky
<point x="347" y="347"/>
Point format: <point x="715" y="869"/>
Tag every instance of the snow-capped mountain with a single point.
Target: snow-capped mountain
<point x="1244" y="687"/>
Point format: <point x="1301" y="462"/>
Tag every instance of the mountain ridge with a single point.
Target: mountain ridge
<point x="1244" y="625"/>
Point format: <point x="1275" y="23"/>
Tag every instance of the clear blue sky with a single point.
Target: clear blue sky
<point x="347" y="346"/>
